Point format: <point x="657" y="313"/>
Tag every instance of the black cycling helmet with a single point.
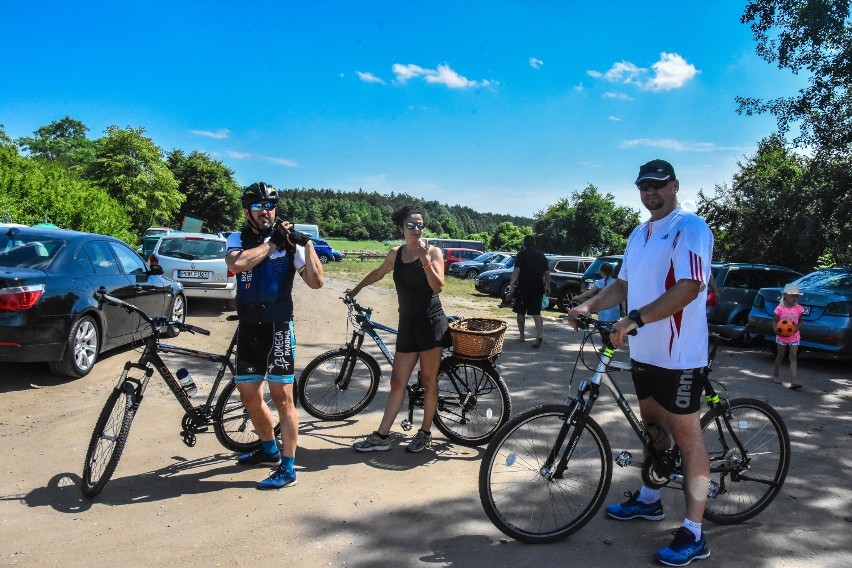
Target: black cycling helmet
<point x="259" y="192"/>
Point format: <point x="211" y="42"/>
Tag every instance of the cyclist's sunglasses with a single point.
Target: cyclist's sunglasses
<point x="648" y="184"/>
<point x="412" y="225"/>
<point x="264" y="205"/>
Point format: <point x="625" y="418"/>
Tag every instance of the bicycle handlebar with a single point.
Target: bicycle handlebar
<point x="155" y="322"/>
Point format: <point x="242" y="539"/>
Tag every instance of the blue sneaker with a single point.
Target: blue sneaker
<point x="259" y="457"/>
<point x="683" y="549"/>
<point x="633" y="509"/>
<point x="278" y="480"/>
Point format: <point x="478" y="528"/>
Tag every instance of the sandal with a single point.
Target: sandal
<point x="796" y="387"/>
<point x="537" y="343"/>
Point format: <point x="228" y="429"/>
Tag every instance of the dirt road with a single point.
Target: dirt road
<point x="171" y="505"/>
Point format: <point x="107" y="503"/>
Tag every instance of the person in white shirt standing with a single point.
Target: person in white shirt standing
<point x="664" y="278"/>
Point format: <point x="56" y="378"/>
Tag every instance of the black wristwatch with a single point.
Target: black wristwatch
<point x="634" y="315"/>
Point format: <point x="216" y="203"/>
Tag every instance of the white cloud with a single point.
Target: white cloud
<point x="614" y="118"/>
<point x="218" y="135"/>
<point x="619" y="96"/>
<point x="248" y="156"/>
<point x="679" y="146"/>
<point x="369" y="78"/>
<point x="671" y="71"/>
<point x="536" y="63"/>
<point x="443" y="75"/>
<point x="580" y="88"/>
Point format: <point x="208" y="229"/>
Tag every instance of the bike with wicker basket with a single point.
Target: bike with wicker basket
<point x="473" y="401"/>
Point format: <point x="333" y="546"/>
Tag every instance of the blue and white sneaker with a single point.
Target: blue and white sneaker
<point x="683" y="549"/>
<point x="278" y="480"/>
<point x="259" y="457"/>
<point x="635" y="509"/>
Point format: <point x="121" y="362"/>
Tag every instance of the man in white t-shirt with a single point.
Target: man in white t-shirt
<point x="664" y="279"/>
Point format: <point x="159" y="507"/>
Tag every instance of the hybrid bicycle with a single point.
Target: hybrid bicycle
<point x="473" y="401"/>
<point x="548" y="470"/>
<point x="228" y="418"/>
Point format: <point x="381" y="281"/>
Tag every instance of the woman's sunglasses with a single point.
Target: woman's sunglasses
<point x="648" y="184"/>
<point x="412" y="225"/>
<point x="266" y="206"/>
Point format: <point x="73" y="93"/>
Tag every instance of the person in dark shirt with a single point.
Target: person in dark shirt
<point x="532" y="276"/>
<point x="418" y="274"/>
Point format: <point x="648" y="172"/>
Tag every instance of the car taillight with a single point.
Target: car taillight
<point x="231" y="274"/>
<point x="759" y="301"/>
<point x="711" y="298"/>
<point x="842" y="309"/>
<point x="20" y="297"/>
<point x="152" y="260"/>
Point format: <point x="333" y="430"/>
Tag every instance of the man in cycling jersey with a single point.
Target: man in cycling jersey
<point x="664" y="279"/>
<point x="266" y="255"/>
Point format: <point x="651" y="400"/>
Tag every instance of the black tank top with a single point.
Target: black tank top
<point x="416" y="299"/>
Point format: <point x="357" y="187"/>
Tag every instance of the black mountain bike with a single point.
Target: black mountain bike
<point x="228" y="417"/>
<point x="473" y="401"/>
<point x="548" y="470"/>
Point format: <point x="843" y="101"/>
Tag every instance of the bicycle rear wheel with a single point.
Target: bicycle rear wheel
<point x="514" y="490"/>
<point x="473" y="402"/>
<point x="108" y="438"/>
<point x="749" y="461"/>
<point x="232" y="424"/>
<point x="338" y="384"/>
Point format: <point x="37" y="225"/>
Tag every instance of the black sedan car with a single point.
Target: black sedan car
<point x="48" y="310"/>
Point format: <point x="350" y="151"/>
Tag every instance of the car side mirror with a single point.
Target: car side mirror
<point x="155" y="270"/>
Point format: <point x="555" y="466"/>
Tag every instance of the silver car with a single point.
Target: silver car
<point x="197" y="260"/>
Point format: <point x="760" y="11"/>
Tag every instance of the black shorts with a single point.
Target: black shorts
<point x="266" y="350"/>
<point x="677" y="390"/>
<point x="422" y="334"/>
<point x="530" y="303"/>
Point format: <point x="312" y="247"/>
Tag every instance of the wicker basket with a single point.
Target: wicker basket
<point x="478" y="338"/>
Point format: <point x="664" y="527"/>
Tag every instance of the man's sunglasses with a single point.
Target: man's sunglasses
<point x="649" y="184"/>
<point x="412" y="225"/>
<point x="266" y="206"/>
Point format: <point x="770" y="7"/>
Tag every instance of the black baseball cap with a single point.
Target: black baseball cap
<point x="659" y="170"/>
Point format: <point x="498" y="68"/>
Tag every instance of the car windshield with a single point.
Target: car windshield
<point x="28" y="251"/>
<point x="840" y="280"/>
<point x="595" y="269"/>
<point x="484" y="256"/>
<point x="192" y="249"/>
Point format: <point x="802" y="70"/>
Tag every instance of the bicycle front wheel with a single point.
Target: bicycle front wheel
<point x="473" y="402"/>
<point x="522" y="497"/>
<point x="108" y="438"/>
<point x="749" y="451"/>
<point x="232" y="424"/>
<point x="338" y="384"/>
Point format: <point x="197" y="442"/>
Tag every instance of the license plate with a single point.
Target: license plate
<point x="198" y="274"/>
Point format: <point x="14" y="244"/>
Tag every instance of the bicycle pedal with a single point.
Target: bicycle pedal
<point x="406" y="425"/>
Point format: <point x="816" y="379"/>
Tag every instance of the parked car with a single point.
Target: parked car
<point x="150" y="238"/>
<point x="325" y="253"/>
<point x="826" y="323"/>
<point x="453" y="255"/>
<point x="197" y="261"/>
<point x="484" y="262"/>
<point x="496" y="282"/>
<point x="566" y="279"/>
<point x="48" y="310"/>
<point x="738" y="284"/>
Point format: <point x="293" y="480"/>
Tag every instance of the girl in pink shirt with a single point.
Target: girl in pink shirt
<point x="789" y="309"/>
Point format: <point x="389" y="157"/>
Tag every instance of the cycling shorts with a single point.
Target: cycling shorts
<point x="677" y="390"/>
<point x="266" y="350"/>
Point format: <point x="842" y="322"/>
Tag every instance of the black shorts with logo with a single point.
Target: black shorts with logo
<point x="677" y="390"/>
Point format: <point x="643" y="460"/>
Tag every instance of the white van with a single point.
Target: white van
<point x="311" y="230"/>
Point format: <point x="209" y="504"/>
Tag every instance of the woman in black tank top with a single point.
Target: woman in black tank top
<point x="418" y="274"/>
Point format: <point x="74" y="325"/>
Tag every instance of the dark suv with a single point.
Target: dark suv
<point x="566" y="279"/>
<point x="738" y="284"/>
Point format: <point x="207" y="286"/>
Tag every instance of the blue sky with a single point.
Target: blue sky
<point x="502" y="106"/>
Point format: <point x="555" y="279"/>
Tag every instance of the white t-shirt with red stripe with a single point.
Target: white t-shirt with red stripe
<point x="659" y="254"/>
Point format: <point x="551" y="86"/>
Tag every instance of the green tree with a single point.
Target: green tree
<point x="814" y="36"/>
<point x="509" y="237"/>
<point x="210" y="190"/>
<point x="62" y="141"/>
<point x="130" y="167"/>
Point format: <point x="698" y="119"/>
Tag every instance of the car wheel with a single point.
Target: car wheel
<point x="504" y="291"/>
<point x="324" y="259"/>
<point x="177" y="313"/>
<point x="81" y="349"/>
<point x="565" y="300"/>
<point x="471" y="274"/>
<point x="746" y="338"/>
